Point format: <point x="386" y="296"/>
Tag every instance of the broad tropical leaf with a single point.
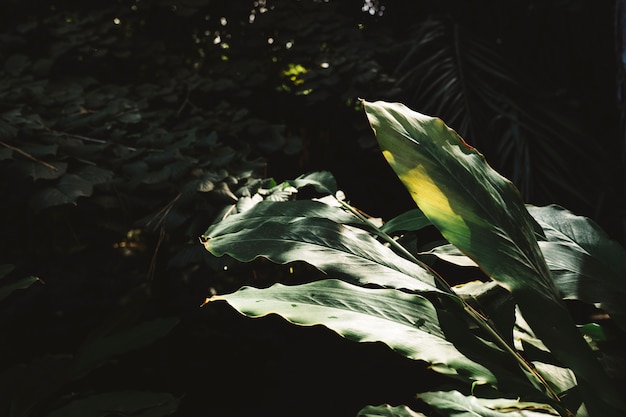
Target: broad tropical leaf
<point x="586" y="264"/>
<point x="481" y="213"/>
<point x="387" y="410"/>
<point x="408" y="323"/>
<point x="318" y="234"/>
<point x="455" y="404"/>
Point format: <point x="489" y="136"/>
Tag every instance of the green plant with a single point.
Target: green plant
<point x="508" y="341"/>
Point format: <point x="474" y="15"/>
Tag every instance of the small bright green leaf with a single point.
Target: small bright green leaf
<point x="594" y="331"/>
<point x="408" y="323"/>
<point x="452" y="254"/>
<point x="455" y="404"/>
<point x="387" y="410"/>
<point x="409" y="221"/>
<point x="127" y="403"/>
<point x="481" y="213"/>
<point x="319" y="235"/>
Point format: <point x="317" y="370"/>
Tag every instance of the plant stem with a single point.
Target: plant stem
<point x="29" y="156"/>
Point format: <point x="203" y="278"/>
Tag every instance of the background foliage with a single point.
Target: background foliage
<point x="126" y="126"/>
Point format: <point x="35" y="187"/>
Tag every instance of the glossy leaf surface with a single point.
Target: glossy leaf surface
<point x="319" y="235"/>
<point x="455" y="404"/>
<point x="481" y="213"/>
<point x="408" y="323"/>
<point x="586" y="264"/>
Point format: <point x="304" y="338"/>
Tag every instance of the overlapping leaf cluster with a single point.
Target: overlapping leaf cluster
<point x="508" y="341"/>
<point x="122" y="126"/>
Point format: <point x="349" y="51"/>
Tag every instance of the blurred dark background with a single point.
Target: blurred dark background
<point x="126" y="126"/>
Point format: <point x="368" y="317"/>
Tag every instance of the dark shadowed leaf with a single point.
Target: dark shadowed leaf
<point x="122" y="403"/>
<point x="39" y="171"/>
<point x="98" y="350"/>
<point x="95" y="175"/>
<point x="69" y="188"/>
<point x="8" y="285"/>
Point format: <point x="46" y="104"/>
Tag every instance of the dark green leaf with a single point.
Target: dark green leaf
<point x="122" y="403"/>
<point x="409" y="221"/>
<point x="95" y="175"/>
<point x="39" y="171"/>
<point x="67" y="191"/>
<point x="106" y="346"/>
<point x="8" y="285"/>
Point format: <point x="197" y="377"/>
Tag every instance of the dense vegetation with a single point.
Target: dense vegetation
<point x="127" y="126"/>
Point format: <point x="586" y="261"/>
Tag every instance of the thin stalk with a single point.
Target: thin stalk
<point x="480" y="319"/>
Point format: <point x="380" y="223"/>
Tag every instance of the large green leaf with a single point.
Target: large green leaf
<point x="408" y="323"/>
<point x="319" y="235"/>
<point x="482" y="214"/>
<point x="586" y="264"/>
<point x="387" y="410"/>
<point x="455" y="404"/>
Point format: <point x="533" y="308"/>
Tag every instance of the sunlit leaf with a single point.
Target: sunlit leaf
<point x="455" y="404"/>
<point x="408" y="323"/>
<point x="481" y="213"/>
<point x="319" y="235"/>
<point x="452" y="254"/>
<point x="388" y="411"/>
<point x="322" y="181"/>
